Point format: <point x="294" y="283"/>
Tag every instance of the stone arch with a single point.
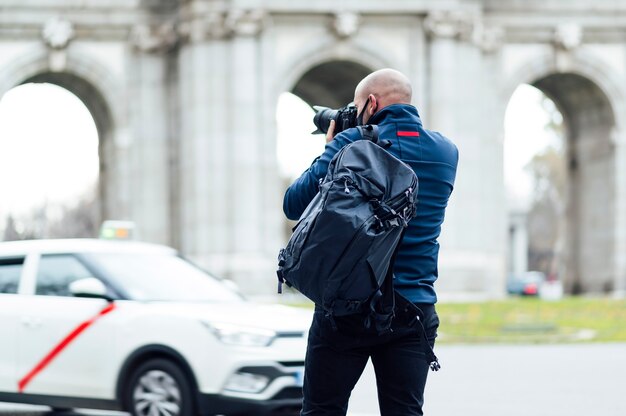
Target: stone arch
<point x="82" y="76"/>
<point x="327" y="78"/>
<point x="85" y="91"/>
<point x="330" y="83"/>
<point x="92" y="83"/>
<point x="591" y="103"/>
<point x="348" y="55"/>
<point x="543" y="65"/>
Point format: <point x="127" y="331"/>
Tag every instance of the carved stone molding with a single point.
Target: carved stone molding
<point x="57" y="33"/>
<point x="488" y="38"/>
<point x="245" y="22"/>
<point x="345" y="24"/>
<point x="568" y="36"/>
<point x="208" y="26"/>
<point x="221" y="25"/>
<point x="57" y="60"/>
<point x="154" y="38"/>
<point x="449" y="24"/>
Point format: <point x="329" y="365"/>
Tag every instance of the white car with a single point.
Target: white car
<point x="133" y="326"/>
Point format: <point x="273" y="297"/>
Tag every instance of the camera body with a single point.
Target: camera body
<point x="345" y="118"/>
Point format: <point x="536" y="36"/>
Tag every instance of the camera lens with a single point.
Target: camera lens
<point x="322" y="118"/>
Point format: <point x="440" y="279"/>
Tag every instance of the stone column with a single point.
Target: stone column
<point x="461" y="99"/>
<point x="252" y="158"/>
<point x="444" y="29"/>
<point x="148" y="94"/>
<point x="202" y="143"/>
<point x="519" y="242"/>
<point x="486" y="124"/>
<point x="229" y="214"/>
<point x="115" y="190"/>
<point x="620" y="213"/>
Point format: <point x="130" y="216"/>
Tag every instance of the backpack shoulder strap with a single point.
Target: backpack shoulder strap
<point x="370" y="132"/>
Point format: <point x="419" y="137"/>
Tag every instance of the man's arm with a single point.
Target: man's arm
<point x="303" y="190"/>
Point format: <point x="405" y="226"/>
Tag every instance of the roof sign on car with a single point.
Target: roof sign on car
<point x="117" y="230"/>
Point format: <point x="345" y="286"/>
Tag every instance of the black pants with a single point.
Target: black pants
<point x="335" y="360"/>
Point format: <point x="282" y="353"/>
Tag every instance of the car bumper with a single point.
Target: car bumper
<point x="281" y="395"/>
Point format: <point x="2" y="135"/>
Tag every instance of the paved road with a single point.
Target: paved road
<point x="10" y="409"/>
<point x="559" y="380"/>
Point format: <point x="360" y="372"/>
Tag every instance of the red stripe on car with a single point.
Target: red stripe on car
<point x="409" y="133"/>
<point x="61" y="346"/>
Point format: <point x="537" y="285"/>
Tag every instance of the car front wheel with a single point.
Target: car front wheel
<point x="159" y="387"/>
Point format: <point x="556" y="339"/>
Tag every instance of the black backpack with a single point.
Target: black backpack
<point x="343" y="247"/>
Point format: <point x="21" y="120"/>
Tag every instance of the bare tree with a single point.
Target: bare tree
<point x="70" y="220"/>
<point x="546" y="219"/>
<point x="10" y="230"/>
<point x="80" y="219"/>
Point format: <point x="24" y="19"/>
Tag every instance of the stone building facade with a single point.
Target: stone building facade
<point x="184" y="96"/>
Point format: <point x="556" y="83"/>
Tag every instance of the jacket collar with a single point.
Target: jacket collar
<point x="396" y="112"/>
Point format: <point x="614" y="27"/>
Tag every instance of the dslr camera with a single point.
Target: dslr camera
<point x="345" y="118"/>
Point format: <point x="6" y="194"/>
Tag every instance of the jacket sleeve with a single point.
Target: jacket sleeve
<point x="303" y="190"/>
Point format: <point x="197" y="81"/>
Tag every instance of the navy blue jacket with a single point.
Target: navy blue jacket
<point x="434" y="159"/>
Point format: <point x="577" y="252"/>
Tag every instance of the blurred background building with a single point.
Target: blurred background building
<point x="184" y="96"/>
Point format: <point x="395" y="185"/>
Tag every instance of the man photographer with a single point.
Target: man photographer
<point x="338" y="351"/>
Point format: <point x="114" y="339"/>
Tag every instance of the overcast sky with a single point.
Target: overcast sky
<point x="49" y="144"/>
<point x="525" y="135"/>
<point x="48" y="148"/>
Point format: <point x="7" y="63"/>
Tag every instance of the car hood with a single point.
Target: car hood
<point x="275" y="317"/>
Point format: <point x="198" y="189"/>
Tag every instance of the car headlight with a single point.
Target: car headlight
<point x="241" y="382"/>
<point x="241" y="335"/>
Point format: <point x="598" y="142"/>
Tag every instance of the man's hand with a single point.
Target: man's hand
<point x="331" y="131"/>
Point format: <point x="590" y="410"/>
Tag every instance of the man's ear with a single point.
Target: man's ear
<point x="373" y="104"/>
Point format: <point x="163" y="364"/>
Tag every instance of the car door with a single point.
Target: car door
<point x="10" y="274"/>
<point x="65" y="342"/>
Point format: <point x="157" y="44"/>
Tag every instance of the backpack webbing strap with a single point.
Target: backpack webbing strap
<point x="416" y="322"/>
<point x="385" y="297"/>
<point x="370" y="132"/>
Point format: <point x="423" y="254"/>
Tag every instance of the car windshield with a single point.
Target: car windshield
<point x="161" y="277"/>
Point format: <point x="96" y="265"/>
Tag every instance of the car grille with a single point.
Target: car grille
<point x="289" y="393"/>
<point x="291" y="363"/>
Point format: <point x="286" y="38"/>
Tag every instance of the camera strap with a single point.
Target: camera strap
<point x="359" y="117"/>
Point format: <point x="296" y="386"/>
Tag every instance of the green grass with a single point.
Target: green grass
<point x="530" y="320"/>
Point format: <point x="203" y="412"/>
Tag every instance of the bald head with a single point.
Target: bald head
<point x="387" y="85"/>
<point x="381" y="89"/>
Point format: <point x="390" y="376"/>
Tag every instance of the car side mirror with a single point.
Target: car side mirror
<point x="89" y="287"/>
